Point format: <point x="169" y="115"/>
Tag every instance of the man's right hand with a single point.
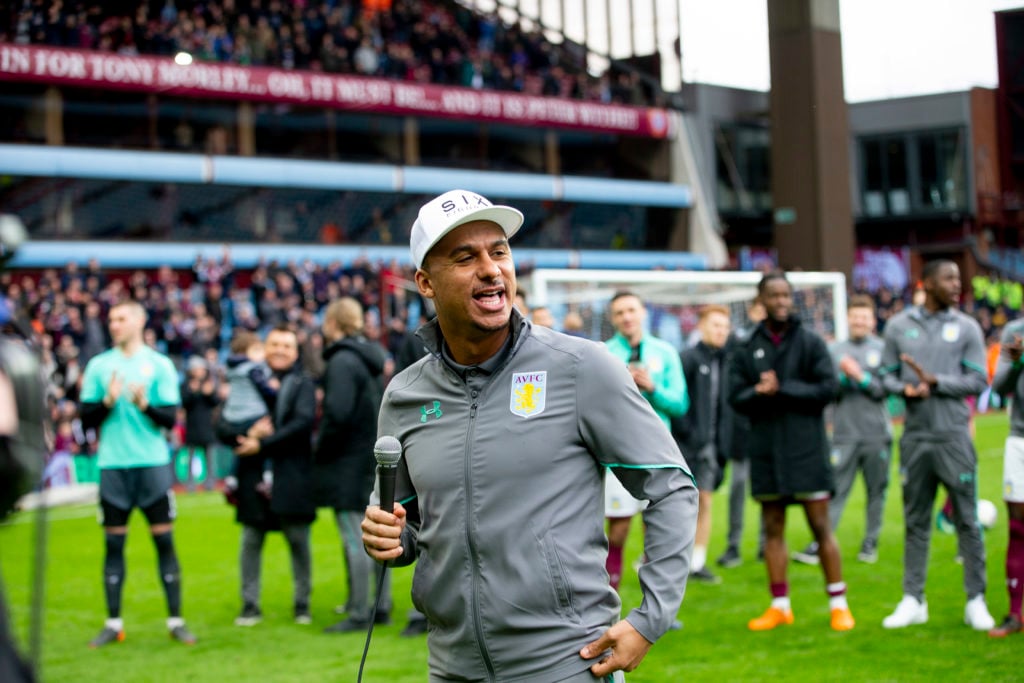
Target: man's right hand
<point x="919" y="390"/>
<point x="851" y="368"/>
<point x="769" y="384"/>
<point x="382" y="532"/>
<point x="1013" y="350"/>
<point x="113" y="390"/>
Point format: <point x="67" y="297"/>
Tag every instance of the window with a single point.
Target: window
<point x="896" y="166"/>
<point x="942" y="171"/>
<point x="912" y="173"/>
<point x="743" y="169"/>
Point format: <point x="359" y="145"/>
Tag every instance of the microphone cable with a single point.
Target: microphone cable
<point x="373" y="620"/>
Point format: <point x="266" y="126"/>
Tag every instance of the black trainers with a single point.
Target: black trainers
<point x="183" y="635"/>
<point x="106" y="637"/>
<point x="730" y="558"/>
<point x="349" y="625"/>
<point x="808" y="555"/>
<point x="704" y="575"/>
<point x="382" y="619"/>
<point x="302" y="615"/>
<point x="415" y="627"/>
<point x="250" y="616"/>
<point x="1011" y="624"/>
<point x="868" y="552"/>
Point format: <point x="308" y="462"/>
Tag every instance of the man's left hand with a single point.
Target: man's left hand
<point x="642" y="378"/>
<point x="262" y="428"/>
<point x="627" y="645"/>
<point x="926" y="377"/>
<point x="138" y="395"/>
<point x="247" y="445"/>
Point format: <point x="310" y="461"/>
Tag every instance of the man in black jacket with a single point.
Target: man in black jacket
<point x="199" y="398"/>
<point x="738" y="462"/>
<point x="284" y="438"/>
<point x="353" y="384"/>
<point x="704" y="433"/>
<point x="783" y="379"/>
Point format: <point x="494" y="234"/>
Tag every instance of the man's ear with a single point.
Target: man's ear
<point x="423" y="283"/>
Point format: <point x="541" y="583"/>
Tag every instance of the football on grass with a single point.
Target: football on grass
<point x="988" y="513"/>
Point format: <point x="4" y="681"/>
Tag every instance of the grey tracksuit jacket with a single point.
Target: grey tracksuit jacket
<point x="1009" y="379"/>
<point x="860" y="413"/>
<point x="502" y="477"/>
<point x="948" y="344"/>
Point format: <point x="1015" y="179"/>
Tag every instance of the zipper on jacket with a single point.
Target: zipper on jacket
<point x="475" y="560"/>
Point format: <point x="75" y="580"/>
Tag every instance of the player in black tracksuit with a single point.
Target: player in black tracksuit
<point x="705" y="432"/>
<point x="738" y="461"/>
<point x="783" y="379"/>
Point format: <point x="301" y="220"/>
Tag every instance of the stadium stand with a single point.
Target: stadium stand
<point x="413" y="40"/>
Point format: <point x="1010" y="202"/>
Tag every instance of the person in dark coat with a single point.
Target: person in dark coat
<point x="285" y="502"/>
<point x="783" y="378"/>
<point x="738" y="462"/>
<point x="199" y="399"/>
<point x="704" y="432"/>
<point x="353" y="385"/>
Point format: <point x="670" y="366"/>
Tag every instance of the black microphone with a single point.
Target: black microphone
<point x="387" y="451"/>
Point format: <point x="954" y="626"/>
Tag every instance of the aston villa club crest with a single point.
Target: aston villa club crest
<point x="528" y="393"/>
<point x="874" y="359"/>
<point x="950" y="332"/>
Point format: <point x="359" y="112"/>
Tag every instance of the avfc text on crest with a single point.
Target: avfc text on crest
<point x="528" y="392"/>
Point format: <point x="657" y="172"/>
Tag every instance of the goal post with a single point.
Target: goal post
<point x="674" y="298"/>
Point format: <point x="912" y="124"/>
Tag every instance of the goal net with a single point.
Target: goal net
<point x="674" y="299"/>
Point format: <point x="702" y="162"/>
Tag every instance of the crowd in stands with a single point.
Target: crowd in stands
<point x="411" y="40"/>
<point x="192" y="315"/>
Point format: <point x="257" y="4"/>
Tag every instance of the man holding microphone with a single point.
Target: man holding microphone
<point x="507" y="430"/>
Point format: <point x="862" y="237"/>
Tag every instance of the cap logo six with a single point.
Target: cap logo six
<point x="473" y="201"/>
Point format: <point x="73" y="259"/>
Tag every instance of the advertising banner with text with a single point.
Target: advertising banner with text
<point x="161" y="75"/>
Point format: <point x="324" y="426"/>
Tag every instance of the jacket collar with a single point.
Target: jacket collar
<point x="791" y="328"/>
<point x="709" y="351"/>
<point x="432" y="338"/>
<point x="921" y="314"/>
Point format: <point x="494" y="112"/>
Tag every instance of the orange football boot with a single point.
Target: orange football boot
<point x="772" y="618"/>
<point x="842" y="619"/>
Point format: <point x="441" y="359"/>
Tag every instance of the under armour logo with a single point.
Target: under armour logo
<point x="435" y="411"/>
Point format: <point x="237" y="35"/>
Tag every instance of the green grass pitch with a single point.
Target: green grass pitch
<point x="714" y="645"/>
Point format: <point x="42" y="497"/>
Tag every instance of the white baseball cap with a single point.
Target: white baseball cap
<point x="443" y="214"/>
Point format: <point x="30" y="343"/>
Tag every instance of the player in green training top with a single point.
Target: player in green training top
<point x="130" y="393"/>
